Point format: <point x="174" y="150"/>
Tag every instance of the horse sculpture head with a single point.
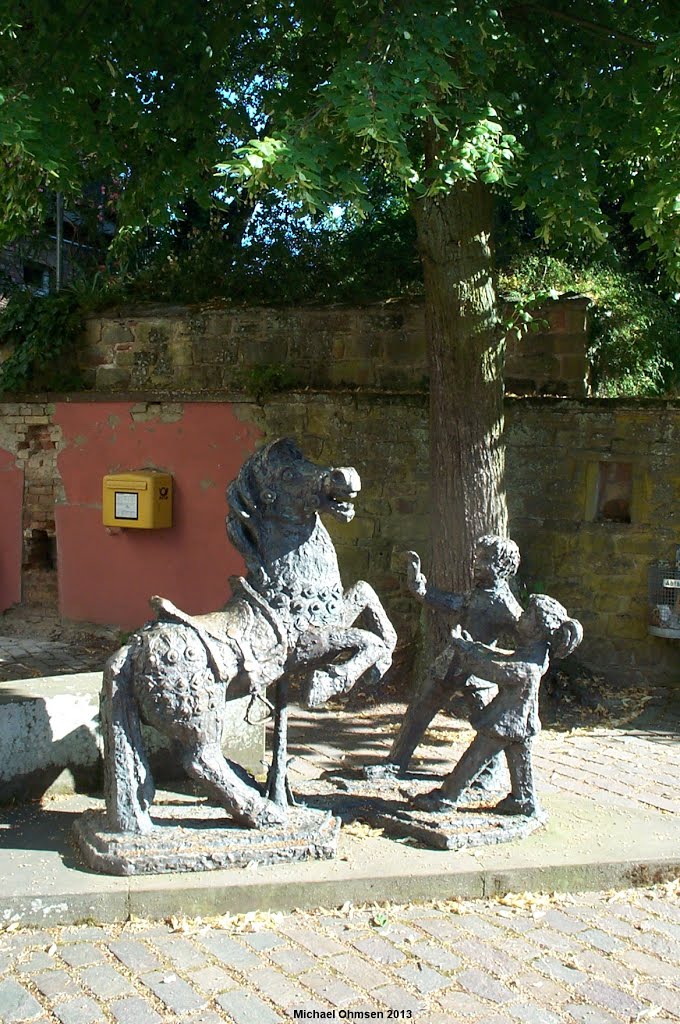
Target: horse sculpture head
<point x="278" y="483"/>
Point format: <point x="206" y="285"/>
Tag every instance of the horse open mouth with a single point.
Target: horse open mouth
<point x="341" y="509"/>
<point x="341" y="488"/>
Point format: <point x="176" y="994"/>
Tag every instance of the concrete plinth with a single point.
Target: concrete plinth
<point x="199" y="837"/>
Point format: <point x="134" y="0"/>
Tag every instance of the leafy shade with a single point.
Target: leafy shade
<point x="552" y="103"/>
<point x="41" y="335"/>
<point x="148" y="93"/>
<point x="634" y="331"/>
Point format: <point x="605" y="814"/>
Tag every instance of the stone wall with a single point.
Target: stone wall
<point x="559" y="456"/>
<point x="594" y="495"/>
<point x="552" y="360"/>
<point x="593" y="490"/>
<point x="380" y="346"/>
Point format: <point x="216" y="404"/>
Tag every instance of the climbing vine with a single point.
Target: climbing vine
<point x="39" y="337"/>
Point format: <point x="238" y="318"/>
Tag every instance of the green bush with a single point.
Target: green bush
<point x="42" y="333"/>
<point x="635" y="331"/>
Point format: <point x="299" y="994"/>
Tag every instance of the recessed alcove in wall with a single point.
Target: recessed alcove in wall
<point x="614" y="494"/>
<point x="40" y="550"/>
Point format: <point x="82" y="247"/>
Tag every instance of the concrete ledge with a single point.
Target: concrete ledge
<point x="50" y="741"/>
<point x="583" y="847"/>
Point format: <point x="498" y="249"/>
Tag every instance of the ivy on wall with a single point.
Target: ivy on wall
<point x="39" y="336"/>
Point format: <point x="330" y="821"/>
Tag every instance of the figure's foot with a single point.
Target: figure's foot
<point x="386" y="770"/>
<point x="433" y="802"/>
<point x="511" y="805"/>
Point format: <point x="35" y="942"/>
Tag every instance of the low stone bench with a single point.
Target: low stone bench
<point x="50" y="742"/>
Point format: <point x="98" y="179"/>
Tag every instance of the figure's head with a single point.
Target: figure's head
<point x="496" y="558"/>
<point x="545" y="619"/>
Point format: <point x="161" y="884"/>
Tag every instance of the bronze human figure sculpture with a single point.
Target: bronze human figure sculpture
<point x="489" y="612"/>
<point x="289" y="616"/>
<point x="510" y="721"/>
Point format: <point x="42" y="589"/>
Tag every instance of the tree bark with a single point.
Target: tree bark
<point x="466" y="378"/>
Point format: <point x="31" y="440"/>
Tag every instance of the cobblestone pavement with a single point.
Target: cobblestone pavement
<point x="625" y="761"/>
<point x="21" y="658"/>
<point x="585" y="959"/>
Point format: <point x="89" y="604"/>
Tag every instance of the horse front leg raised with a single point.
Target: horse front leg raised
<point x="350" y="652"/>
<point x="362" y="600"/>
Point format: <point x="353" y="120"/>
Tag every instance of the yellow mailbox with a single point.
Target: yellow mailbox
<point x="141" y="500"/>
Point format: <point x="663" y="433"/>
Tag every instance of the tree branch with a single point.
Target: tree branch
<point x="590" y="26"/>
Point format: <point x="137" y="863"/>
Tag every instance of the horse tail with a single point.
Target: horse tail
<point x="128" y="783"/>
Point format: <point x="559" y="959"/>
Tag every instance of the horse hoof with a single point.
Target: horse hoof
<point x="323" y="685"/>
<point x="432" y="802"/>
<point x="382" y="666"/>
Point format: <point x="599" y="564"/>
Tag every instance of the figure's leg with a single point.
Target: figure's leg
<point x="476" y="695"/>
<point x="205" y="763"/>
<point x="431" y="696"/>
<point x="424" y="705"/>
<point x="477" y="755"/>
<point x="522" y="798"/>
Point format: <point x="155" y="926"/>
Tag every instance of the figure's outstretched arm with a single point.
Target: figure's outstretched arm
<point x="417" y="583"/>
<point x="496" y="666"/>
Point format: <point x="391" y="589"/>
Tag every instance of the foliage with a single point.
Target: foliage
<point x="552" y="108"/>
<point x="144" y="93"/>
<point x="42" y="333"/>
<point x="635" y="332"/>
<point x="563" y="111"/>
<point x="266" y="379"/>
<point x="284" y="260"/>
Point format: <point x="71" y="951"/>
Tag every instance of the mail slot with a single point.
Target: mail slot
<point x="141" y="501"/>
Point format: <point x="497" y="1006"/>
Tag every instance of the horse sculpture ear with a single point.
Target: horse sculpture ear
<point x="567" y="638"/>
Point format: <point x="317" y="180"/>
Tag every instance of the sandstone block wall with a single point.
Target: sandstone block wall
<point x="562" y="456"/>
<point x="380" y="346"/>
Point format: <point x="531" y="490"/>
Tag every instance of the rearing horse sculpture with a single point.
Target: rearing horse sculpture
<point x="289" y="616"/>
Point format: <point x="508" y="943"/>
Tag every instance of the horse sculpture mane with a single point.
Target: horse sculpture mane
<point x="249" y="496"/>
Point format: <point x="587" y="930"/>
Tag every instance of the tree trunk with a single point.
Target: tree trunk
<point x="466" y="378"/>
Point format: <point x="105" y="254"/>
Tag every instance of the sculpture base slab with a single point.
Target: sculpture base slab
<point x="457" y="829"/>
<point x="385" y="803"/>
<point x="200" y="837"/>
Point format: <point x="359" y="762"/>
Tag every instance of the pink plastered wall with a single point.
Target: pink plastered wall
<point x="107" y="576"/>
<point x="11" y="505"/>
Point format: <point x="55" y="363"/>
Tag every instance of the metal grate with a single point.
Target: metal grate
<point x="664" y="599"/>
